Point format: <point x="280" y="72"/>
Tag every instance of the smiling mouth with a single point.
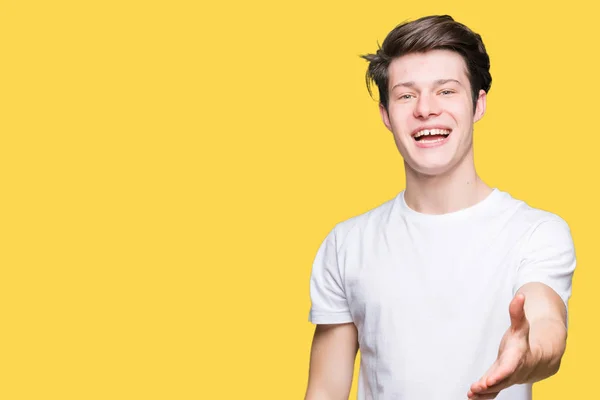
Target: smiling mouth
<point x="431" y="135"/>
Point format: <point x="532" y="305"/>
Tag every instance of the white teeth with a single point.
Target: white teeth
<point x="428" y="132"/>
<point x="430" y="141"/>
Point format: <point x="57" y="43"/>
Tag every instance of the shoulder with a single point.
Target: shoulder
<point x="535" y="224"/>
<point x="366" y="223"/>
<point x="530" y="217"/>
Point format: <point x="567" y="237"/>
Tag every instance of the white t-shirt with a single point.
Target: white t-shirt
<point x="429" y="294"/>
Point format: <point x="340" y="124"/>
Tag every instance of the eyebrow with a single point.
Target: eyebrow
<point x="437" y="82"/>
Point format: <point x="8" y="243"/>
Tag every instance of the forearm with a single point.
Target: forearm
<point x="547" y="339"/>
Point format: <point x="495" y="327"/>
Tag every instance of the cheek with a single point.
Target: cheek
<point x="399" y="117"/>
<point x="459" y="111"/>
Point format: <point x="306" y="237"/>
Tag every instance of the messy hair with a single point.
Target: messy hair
<point x="436" y="32"/>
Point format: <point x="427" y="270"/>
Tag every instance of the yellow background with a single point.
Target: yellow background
<point x="169" y="169"/>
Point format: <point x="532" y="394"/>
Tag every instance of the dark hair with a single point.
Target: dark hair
<point x="430" y="33"/>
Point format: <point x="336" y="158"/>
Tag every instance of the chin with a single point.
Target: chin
<point x="431" y="169"/>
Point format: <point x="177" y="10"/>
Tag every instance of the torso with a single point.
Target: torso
<point x="429" y="296"/>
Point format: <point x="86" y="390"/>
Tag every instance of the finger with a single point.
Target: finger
<point x="504" y="371"/>
<point x="507" y="365"/>
<point x="500" y="371"/>
<point x="516" y="310"/>
<point x="501" y="385"/>
<point x="492" y="372"/>
<point x="478" y="386"/>
<point x="485" y="396"/>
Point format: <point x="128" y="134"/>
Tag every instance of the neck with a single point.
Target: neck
<point x="454" y="190"/>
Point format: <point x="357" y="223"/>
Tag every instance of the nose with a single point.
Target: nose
<point x="426" y="106"/>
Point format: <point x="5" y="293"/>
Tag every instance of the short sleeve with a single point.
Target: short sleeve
<point x="328" y="300"/>
<point x="549" y="258"/>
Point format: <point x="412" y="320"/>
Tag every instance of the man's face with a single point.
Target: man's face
<point x="430" y="110"/>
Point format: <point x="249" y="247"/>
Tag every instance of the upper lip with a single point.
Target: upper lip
<point x="429" y="127"/>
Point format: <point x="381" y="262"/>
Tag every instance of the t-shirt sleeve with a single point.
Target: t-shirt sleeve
<point x="328" y="299"/>
<point x="549" y="258"/>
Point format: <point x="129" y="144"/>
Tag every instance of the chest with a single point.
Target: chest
<point x="425" y="276"/>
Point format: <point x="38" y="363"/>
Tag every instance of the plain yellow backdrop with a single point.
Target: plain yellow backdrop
<point x="168" y="170"/>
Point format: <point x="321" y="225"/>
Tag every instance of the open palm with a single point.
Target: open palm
<point x="514" y="361"/>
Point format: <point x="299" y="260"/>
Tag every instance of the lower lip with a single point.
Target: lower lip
<point x="427" y="145"/>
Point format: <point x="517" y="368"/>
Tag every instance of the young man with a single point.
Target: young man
<point x="452" y="289"/>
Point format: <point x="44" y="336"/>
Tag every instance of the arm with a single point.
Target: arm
<point x="533" y="345"/>
<point x="547" y="317"/>
<point x="333" y="354"/>
<point x="335" y="341"/>
<point x="545" y="279"/>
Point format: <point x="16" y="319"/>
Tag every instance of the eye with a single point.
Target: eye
<point x="405" y="96"/>
<point x="446" y="92"/>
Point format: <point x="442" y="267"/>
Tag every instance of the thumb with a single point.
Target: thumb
<point x="518" y="321"/>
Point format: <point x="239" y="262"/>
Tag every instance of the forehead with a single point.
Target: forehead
<point x="424" y="68"/>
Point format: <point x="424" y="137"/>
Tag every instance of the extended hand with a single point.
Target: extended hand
<point x="515" y="360"/>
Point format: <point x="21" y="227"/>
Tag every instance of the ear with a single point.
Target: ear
<point x="385" y="117"/>
<point x="480" y="106"/>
